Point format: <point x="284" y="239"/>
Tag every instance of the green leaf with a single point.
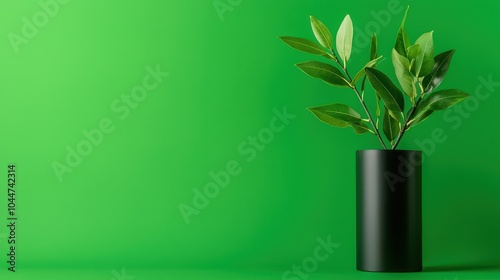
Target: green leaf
<point x="388" y="92"/>
<point x="392" y="126"/>
<point x="444" y="99"/>
<point x="373" y="47"/>
<point x="344" y="39"/>
<point x="439" y="100"/>
<point x="361" y="72"/>
<point x="361" y="128"/>
<point x="329" y="56"/>
<point x="402" y="41"/>
<point x="321" y="33"/>
<point x="420" y="117"/>
<point x="402" y="69"/>
<point x="340" y="115"/>
<point x="412" y="52"/>
<point x="441" y="65"/>
<point x="325" y="72"/>
<point x="339" y="112"/>
<point x="377" y="110"/>
<point x="424" y="61"/>
<point x="304" y="45"/>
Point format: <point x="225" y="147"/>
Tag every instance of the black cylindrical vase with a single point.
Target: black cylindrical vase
<point x="389" y="210"/>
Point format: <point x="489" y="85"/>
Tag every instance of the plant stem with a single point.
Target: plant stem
<point x="375" y="129"/>
<point x="367" y="112"/>
<point x="403" y="129"/>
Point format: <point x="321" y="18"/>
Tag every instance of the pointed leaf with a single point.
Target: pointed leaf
<point x="425" y="59"/>
<point x="325" y="72"/>
<point x="361" y="128"/>
<point x="412" y="52"/>
<point x="436" y="101"/>
<point x="402" y="41"/>
<point x="388" y="92"/>
<point x="373" y="47"/>
<point x="361" y="72"/>
<point x="444" y="99"/>
<point x="321" y="33"/>
<point x="402" y="69"/>
<point x="344" y="39"/>
<point x="339" y="111"/>
<point x="441" y="65"/>
<point x="391" y="126"/>
<point x="340" y="115"/>
<point x="420" y="117"/>
<point x="303" y="45"/>
<point x="329" y="56"/>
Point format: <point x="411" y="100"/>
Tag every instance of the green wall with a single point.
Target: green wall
<point x="116" y="114"/>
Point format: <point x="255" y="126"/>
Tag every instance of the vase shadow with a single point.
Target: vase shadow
<point x="463" y="267"/>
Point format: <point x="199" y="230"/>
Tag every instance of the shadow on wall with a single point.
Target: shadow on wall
<point x="461" y="220"/>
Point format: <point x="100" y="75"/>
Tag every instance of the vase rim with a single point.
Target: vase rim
<point x="383" y="150"/>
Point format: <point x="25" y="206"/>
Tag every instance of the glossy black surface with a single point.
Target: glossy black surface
<point x="389" y="210"/>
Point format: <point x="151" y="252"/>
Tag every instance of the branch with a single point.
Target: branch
<point x="376" y="131"/>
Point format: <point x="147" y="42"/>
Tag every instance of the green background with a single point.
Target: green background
<point x="119" y="207"/>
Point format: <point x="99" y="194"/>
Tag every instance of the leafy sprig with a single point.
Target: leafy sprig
<point x="417" y="71"/>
